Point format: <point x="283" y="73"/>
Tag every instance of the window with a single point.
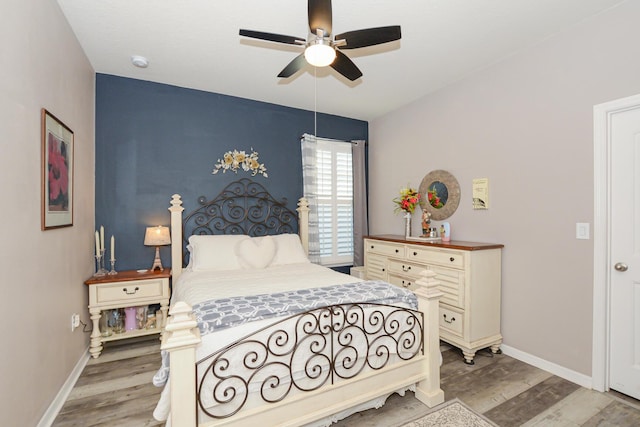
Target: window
<point x="334" y="192"/>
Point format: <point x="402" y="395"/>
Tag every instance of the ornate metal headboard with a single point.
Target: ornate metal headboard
<point x="243" y="207"/>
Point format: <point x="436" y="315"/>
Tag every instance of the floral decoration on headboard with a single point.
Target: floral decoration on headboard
<point x="234" y="160"/>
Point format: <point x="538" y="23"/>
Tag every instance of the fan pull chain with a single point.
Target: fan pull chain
<point x="315" y="101"/>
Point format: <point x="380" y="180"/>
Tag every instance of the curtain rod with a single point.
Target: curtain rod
<point x="353" y="141"/>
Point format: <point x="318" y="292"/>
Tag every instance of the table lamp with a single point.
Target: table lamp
<point x="157" y="236"/>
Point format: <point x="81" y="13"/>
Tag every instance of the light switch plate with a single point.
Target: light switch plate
<point x="582" y="230"/>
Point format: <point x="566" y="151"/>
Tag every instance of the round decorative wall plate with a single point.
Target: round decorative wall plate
<point x="439" y="194"/>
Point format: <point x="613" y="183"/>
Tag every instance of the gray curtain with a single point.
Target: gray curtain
<point x="309" y="146"/>
<point x="360" y="223"/>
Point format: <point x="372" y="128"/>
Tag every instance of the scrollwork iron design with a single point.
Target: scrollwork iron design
<point x="305" y="352"/>
<point x="242" y="207"/>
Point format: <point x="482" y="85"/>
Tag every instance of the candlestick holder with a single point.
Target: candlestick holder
<point x="113" y="268"/>
<point x="100" y="270"/>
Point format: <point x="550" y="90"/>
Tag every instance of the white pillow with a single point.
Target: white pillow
<point x="214" y="252"/>
<point x="289" y="250"/>
<point x="256" y="252"/>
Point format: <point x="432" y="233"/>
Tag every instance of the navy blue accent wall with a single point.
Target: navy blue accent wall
<point x="155" y="140"/>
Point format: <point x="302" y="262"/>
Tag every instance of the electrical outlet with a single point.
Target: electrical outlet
<point x="75" y="321"/>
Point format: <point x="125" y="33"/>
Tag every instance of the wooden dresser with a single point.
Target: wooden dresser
<point x="470" y="279"/>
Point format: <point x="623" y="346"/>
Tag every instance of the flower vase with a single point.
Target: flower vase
<point x="407" y="225"/>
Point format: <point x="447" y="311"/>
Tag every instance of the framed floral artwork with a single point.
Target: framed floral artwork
<point x="57" y="173"/>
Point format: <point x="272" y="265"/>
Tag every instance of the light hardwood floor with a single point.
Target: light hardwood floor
<point x="116" y="390"/>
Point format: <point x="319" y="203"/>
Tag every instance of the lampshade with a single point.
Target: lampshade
<point x="157" y="236"/>
<point x="320" y="54"/>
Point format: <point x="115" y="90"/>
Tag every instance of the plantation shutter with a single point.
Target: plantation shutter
<point x="335" y="202"/>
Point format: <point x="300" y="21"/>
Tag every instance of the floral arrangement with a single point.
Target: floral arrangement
<point x="407" y="201"/>
<point x="434" y="200"/>
<point x="234" y="160"/>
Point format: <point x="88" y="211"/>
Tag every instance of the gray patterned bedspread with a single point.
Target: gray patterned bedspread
<point x="218" y="314"/>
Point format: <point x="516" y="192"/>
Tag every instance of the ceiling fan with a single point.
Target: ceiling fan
<point x="323" y="49"/>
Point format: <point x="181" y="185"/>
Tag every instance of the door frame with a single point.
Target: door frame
<point x="602" y="115"/>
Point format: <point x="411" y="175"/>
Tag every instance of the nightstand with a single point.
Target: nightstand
<point x="126" y="289"/>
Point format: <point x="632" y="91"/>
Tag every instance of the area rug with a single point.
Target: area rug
<point x="453" y="413"/>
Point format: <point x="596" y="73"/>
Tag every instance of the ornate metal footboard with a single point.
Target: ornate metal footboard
<point x="305" y="352"/>
<point x="322" y="345"/>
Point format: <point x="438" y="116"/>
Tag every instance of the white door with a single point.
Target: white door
<point x="624" y="362"/>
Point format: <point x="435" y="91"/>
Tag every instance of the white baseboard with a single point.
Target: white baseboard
<point x="52" y="411"/>
<point x="560" y="371"/>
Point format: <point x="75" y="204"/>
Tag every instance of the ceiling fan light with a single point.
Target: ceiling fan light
<point x="320" y="55"/>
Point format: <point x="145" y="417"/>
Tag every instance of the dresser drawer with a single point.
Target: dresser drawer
<point x="454" y="259"/>
<point x="376" y="266"/>
<point x="451" y="320"/>
<point x="452" y="285"/>
<point x="384" y="248"/>
<point x="402" y="281"/>
<point x="405" y="268"/>
<point x="129" y="291"/>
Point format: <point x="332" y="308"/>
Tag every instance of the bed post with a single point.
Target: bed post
<point x="428" y="390"/>
<point x="303" y="222"/>
<point x="180" y="338"/>
<point x="176" y="236"/>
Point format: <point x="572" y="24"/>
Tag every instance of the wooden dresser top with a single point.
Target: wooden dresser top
<point x="453" y="244"/>
<point x="128" y="275"/>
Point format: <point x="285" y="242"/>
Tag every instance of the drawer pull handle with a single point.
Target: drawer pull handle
<point x="397" y="250"/>
<point x="452" y="259"/>
<point x="415" y="254"/>
<point x="406" y="284"/>
<point x="371" y="246"/>
<point x="383" y="269"/>
<point x="453" y="319"/>
<point x="126" y="291"/>
<point x="405" y="268"/>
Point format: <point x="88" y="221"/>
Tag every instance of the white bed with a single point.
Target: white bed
<point x="241" y="266"/>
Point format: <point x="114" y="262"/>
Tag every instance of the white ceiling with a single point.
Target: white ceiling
<point x="195" y="44"/>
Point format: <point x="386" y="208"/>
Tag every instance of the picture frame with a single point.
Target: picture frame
<point x="480" y="193"/>
<point x="57" y="172"/>
<point x="445" y="187"/>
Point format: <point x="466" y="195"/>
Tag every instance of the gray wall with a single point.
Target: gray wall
<point x="526" y="124"/>
<point x="42" y="272"/>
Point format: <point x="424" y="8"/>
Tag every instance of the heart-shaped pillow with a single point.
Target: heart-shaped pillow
<point x="256" y="252"/>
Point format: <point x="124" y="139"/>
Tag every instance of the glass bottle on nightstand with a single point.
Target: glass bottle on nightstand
<point x="116" y="320"/>
<point x="105" y="327"/>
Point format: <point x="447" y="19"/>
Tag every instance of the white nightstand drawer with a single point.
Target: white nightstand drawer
<point x="132" y="290"/>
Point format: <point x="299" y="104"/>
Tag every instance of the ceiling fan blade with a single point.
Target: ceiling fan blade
<point x="369" y="37"/>
<point x="278" y="38"/>
<point x="293" y="66"/>
<point x="320" y="16"/>
<point x="345" y="66"/>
